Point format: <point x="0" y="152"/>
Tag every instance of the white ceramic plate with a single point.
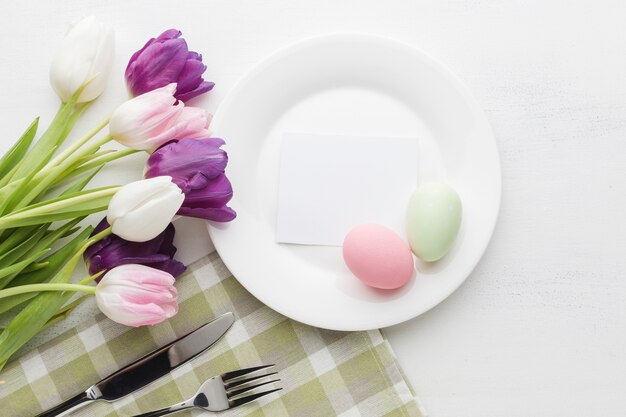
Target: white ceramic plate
<point x="357" y="85"/>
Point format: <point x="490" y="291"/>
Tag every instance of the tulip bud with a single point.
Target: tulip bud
<point x="86" y="55"/>
<point x="141" y="210"/>
<point x="154" y="118"/>
<point x="164" y="60"/>
<point x="197" y="167"/>
<point x="112" y="251"/>
<point x="137" y="295"/>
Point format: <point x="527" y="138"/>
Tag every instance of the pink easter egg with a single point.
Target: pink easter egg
<point x="378" y="256"/>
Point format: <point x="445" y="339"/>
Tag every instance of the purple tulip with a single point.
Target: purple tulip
<point x="164" y="60"/>
<point x="197" y="167"/>
<point x="114" y="251"/>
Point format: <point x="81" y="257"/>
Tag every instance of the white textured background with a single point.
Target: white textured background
<point x="539" y="329"/>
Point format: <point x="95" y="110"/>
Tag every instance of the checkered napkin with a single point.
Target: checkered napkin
<point x="323" y="373"/>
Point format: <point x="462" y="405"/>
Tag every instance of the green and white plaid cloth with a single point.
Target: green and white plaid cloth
<point x="323" y="373"/>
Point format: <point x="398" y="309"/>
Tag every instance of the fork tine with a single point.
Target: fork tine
<point x="248" y="388"/>
<point x="233" y="384"/>
<point x="241" y="401"/>
<point x="234" y="374"/>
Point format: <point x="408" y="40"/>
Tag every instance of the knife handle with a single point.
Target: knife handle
<point x="68" y="406"/>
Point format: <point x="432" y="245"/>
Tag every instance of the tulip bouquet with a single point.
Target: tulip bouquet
<point x="44" y="194"/>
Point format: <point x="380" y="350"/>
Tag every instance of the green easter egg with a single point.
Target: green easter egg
<point x="433" y="220"/>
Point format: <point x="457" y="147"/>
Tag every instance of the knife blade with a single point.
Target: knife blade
<point x="150" y="367"/>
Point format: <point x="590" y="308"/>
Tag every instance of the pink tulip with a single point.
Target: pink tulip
<point x="137" y="295"/>
<point x="156" y="117"/>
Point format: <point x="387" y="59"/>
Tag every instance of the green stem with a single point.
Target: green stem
<point x="95" y="238"/>
<point x="80" y="142"/>
<point x="105" y="159"/>
<point x="71" y="159"/>
<point x="23" y="289"/>
<point x="47" y="208"/>
<point x="91" y="148"/>
<point x="90" y="278"/>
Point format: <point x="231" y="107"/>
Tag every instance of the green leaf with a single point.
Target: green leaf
<point x="34" y="238"/>
<point x="16" y="237"/>
<point x="78" y="185"/>
<point x="9" y="191"/>
<point x="17" y="152"/>
<point x="38" y="185"/>
<point x="65" y="311"/>
<point x="52" y="236"/>
<point x="17" y="252"/>
<point x="6" y="179"/>
<point x="71" y="306"/>
<point x="22" y="191"/>
<point x="15" y="191"/>
<point x="8" y="303"/>
<point x="33" y="245"/>
<point x="34" y="267"/>
<point x="82" y="183"/>
<point x="58" y="173"/>
<point x="79" y="110"/>
<point x="34" y="189"/>
<point x="55" y="262"/>
<point x="71" y="231"/>
<point x="17" y="267"/>
<point x="31" y="319"/>
<point x="46" y="145"/>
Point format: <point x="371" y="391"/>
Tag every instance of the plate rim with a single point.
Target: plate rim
<point x="458" y="85"/>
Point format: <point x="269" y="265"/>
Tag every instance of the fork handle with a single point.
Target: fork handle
<point x="167" y="410"/>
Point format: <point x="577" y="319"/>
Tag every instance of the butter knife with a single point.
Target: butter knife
<point x="149" y="368"/>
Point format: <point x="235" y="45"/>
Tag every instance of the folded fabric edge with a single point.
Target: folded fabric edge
<point x="417" y="400"/>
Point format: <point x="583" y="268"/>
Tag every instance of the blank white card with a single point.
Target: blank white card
<point x="332" y="183"/>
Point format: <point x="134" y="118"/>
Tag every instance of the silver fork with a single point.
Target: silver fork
<point x="222" y="392"/>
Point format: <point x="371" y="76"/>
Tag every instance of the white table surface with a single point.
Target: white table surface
<point x="539" y="328"/>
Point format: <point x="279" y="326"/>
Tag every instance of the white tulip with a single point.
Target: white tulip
<point x="86" y="54"/>
<point x="141" y="210"/>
